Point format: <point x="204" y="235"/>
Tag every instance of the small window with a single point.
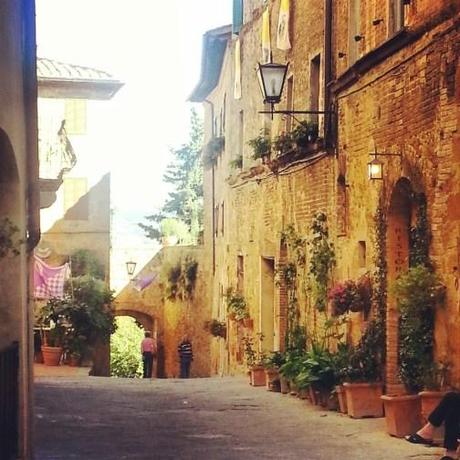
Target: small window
<point x="216" y="220"/>
<point x="362" y="254"/>
<point x="315" y="75"/>
<point x="241" y="134"/>
<point x="238" y="9"/>
<point x="76" y="200"/>
<point x="240" y="274"/>
<point x="75" y="116"/>
<point x="222" y="211"/>
<point x="395" y="16"/>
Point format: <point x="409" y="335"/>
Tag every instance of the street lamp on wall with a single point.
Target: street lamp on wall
<point x="271" y="77"/>
<point x="130" y="268"/>
<point x="375" y="166"/>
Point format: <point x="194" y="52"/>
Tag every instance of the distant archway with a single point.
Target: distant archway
<point x="146" y="321"/>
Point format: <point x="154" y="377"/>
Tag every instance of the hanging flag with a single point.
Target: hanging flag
<point x="49" y="281"/>
<point x="282" y="36"/>
<point x="237" y="83"/>
<point x="142" y="282"/>
<point x="266" y="45"/>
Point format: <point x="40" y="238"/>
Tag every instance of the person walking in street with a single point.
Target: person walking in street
<point x="185" y="357"/>
<point x="447" y="412"/>
<point x="148" y="349"/>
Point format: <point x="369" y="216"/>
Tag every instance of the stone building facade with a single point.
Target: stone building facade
<point x="389" y="73"/>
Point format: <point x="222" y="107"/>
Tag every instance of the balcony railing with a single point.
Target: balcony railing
<point x="9" y="401"/>
<point x="57" y="155"/>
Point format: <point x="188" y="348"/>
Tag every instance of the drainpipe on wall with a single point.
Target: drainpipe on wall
<point x="29" y="69"/>
<point x="329" y="119"/>
<point x="213" y="195"/>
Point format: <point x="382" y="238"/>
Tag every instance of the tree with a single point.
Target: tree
<point x="185" y="201"/>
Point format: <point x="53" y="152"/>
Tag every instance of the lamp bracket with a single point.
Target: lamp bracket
<point x="299" y="112"/>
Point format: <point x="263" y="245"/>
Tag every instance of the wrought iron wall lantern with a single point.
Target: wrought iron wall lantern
<point x="130" y="268"/>
<point x="375" y="166"/>
<point x="271" y="78"/>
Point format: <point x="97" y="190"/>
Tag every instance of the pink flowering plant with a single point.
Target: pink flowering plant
<point x="350" y="296"/>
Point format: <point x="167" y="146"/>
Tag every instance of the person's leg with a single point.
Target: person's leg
<point x="187" y="369"/>
<point x="183" y="369"/>
<point x="149" y="360"/>
<point x="144" y="366"/>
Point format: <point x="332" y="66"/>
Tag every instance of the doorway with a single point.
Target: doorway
<point x="267" y="303"/>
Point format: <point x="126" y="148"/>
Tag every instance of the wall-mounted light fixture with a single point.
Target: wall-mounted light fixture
<point x="130" y="268"/>
<point x="271" y="78"/>
<point x="375" y="166"/>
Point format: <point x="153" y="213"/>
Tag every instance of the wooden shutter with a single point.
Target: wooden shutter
<point x="237" y="16"/>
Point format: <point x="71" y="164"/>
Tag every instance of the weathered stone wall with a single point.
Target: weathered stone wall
<point x="172" y="319"/>
<point x="407" y="103"/>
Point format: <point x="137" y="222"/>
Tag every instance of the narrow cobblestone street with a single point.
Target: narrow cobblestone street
<point x="216" y="418"/>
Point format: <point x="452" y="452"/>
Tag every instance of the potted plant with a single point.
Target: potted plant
<point x="261" y="146"/>
<point x="434" y="388"/>
<point x="340" y="359"/>
<point x="272" y="365"/>
<point x="350" y="296"/>
<point x="254" y="361"/>
<point x="417" y="293"/>
<point x="305" y="134"/>
<point x="216" y="328"/>
<point x="291" y="369"/>
<point x="283" y="144"/>
<point x="363" y="376"/>
<point x="237" y="308"/>
<point x="236" y="163"/>
<point x="76" y="350"/>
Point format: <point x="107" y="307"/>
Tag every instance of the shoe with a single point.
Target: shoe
<point x="417" y="439"/>
<point x="446" y="457"/>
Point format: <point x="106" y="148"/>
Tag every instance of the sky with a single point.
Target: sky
<point x="154" y="47"/>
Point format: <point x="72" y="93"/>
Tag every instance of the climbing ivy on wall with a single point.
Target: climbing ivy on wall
<point x="321" y="260"/>
<point x="420" y="236"/>
<point x="288" y="275"/>
<point x="181" y="279"/>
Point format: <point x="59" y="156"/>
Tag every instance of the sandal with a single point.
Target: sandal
<point x="446" y="457"/>
<point x="417" y="439"/>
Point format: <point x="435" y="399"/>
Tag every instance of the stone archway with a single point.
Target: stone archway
<point x="147" y="322"/>
<point x="399" y="219"/>
<point x="10" y="273"/>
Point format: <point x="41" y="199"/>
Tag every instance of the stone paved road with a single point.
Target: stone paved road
<point x="217" y="418"/>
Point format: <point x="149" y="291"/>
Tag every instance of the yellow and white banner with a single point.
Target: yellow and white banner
<point x="266" y="45"/>
<point x="237" y="82"/>
<point x="282" y="35"/>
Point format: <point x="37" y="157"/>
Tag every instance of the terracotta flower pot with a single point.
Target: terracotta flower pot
<point x="402" y="414"/>
<point x="51" y="355"/>
<point x="340" y="391"/>
<point x="429" y="400"/>
<point x="75" y="360"/>
<point x="363" y="399"/>
<point x="258" y="376"/>
<point x="284" y="384"/>
<point x="272" y="378"/>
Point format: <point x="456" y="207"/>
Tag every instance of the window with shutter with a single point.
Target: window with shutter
<point x="237" y="16"/>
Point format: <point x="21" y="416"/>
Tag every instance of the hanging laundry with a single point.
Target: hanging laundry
<point x="49" y="281"/>
<point x="142" y="282"/>
<point x="237" y="82"/>
<point x="266" y="45"/>
<point x="282" y="36"/>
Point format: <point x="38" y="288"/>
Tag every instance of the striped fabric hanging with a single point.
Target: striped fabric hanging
<point x="282" y="35"/>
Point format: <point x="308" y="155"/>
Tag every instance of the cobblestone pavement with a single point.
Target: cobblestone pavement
<point x="216" y="418"/>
